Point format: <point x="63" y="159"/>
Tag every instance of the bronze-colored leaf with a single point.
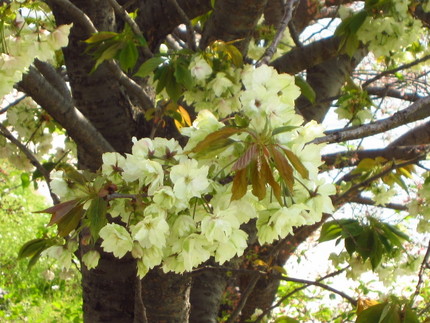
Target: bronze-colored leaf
<point x="258" y="179"/>
<point x="283" y="166"/>
<point x="210" y="139"/>
<point x="70" y="221"/>
<point x="240" y="185"/>
<point x="297" y="163"/>
<point x="60" y="210"/>
<point x="271" y="181"/>
<point x="244" y="160"/>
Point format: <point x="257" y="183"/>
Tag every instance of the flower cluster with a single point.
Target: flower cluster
<point x="21" y="43"/>
<point x="174" y="210"/>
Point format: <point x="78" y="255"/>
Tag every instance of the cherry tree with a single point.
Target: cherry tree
<point x="197" y="157"/>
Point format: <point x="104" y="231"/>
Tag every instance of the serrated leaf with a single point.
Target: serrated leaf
<point x="297" y="163"/>
<point x="173" y="88"/>
<point x="60" y="210"/>
<point x="376" y="251"/>
<point x="100" y="36"/>
<point x="33" y="249"/>
<point x="149" y="66"/>
<point x="183" y="75"/>
<point x="211" y="139"/>
<point x="71" y="220"/>
<point x="258" y="179"/>
<point x="371" y="314"/>
<point x="128" y="56"/>
<point x="329" y="231"/>
<point x="306" y="89"/>
<point x="284" y="167"/>
<point x="96" y="216"/>
<point x="240" y="185"/>
<point x="244" y="160"/>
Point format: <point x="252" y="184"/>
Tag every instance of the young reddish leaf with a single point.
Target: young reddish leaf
<point x="271" y="180"/>
<point x="258" y="179"/>
<point x="244" y="160"/>
<point x="240" y="185"/>
<point x="284" y="168"/>
<point x="70" y="221"/>
<point x="211" y="138"/>
<point x="60" y="210"/>
<point x="297" y="163"/>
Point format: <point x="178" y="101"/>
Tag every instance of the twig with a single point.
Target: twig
<point x="234" y="315"/>
<point x="270" y="51"/>
<point x="367" y="201"/>
<point x="278" y="303"/>
<point x="394" y="70"/>
<point x="134" y="27"/>
<point x="340" y="199"/>
<point x="7" y="134"/>
<point x="190" y="30"/>
<point x="412" y="113"/>
<point x="141" y="311"/>
<point x="424" y="266"/>
<point x="13" y="104"/>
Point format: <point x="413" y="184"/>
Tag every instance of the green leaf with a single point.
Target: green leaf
<point x="376" y="251"/>
<point x="183" y="75"/>
<point x="128" y="56"/>
<point x="100" y="36"/>
<point x="107" y="54"/>
<point x="49" y="166"/>
<point x="149" y="66"/>
<point x="213" y="137"/>
<point x="306" y="89"/>
<point x="173" y="88"/>
<point x="71" y="220"/>
<point x="161" y="77"/>
<point x="409" y="315"/>
<point x="371" y="314"/>
<point x="282" y="129"/>
<point x="25" y="180"/>
<point x="286" y="319"/>
<point x="365" y="243"/>
<point x="350" y="245"/>
<point x="33" y="249"/>
<point x="329" y="231"/>
<point x="96" y="216"/>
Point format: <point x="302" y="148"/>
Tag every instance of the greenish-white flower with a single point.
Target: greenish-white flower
<point x="91" y="259"/>
<point x="116" y="239"/>
<point x="189" y="180"/>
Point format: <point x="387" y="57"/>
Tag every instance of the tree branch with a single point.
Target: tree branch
<point x="190" y="30"/>
<point x="70" y="118"/>
<point x="394" y="70"/>
<point x="85" y="23"/>
<point x="352" y="158"/>
<point x="270" y="51"/>
<point x="367" y="201"/>
<point x="423" y="267"/>
<point x="234" y="315"/>
<point x="53" y="77"/>
<point x="7" y="134"/>
<point x="386" y="91"/>
<point x="414" y="112"/>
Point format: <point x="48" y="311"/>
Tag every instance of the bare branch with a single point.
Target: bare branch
<point x="234" y="315"/>
<point x="424" y="266"/>
<point x="270" y="51"/>
<point x="3" y="110"/>
<point x="190" y="30"/>
<point x="367" y="201"/>
<point x="7" y="134"/>
<point x="395" y="70"/>
<point x="414" y="112"/>
<point x="352" y="158"/>
<point x="76" y="15"/>
<point x="386" y="91"/>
